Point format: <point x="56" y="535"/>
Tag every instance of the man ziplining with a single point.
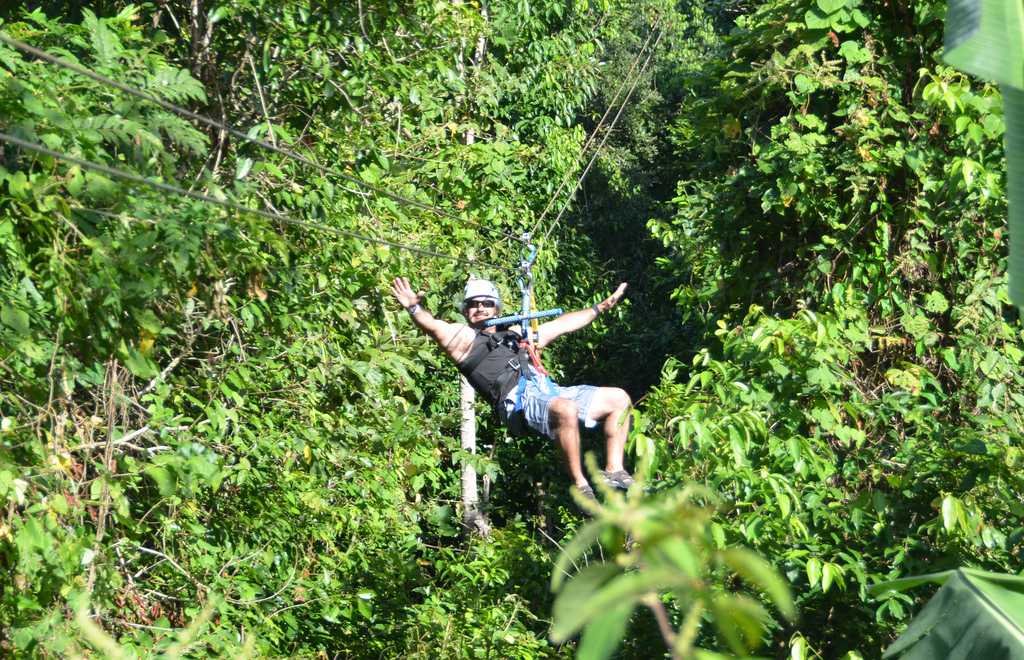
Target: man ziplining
<point x="524" y="398"/>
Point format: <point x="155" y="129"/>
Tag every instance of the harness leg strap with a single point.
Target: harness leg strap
<point x="520" y="391"/>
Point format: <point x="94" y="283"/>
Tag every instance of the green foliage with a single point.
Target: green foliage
<point x="843" y="479"/>
<point x="209" y="418"/>
<point x="671" y="555"/>
<point x="838" y="242"/>
<point x="986" y="39"/>
<point x="981" y="609"/>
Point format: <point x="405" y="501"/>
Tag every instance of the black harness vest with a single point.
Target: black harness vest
<point x="493" y="365"/>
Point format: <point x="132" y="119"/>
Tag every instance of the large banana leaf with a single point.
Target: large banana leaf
<point x="986" y="38"/>
<point x="975" y="614"/>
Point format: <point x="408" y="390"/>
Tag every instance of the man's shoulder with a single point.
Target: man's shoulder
<point x="459" y="341"/>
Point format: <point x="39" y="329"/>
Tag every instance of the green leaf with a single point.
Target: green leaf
<point x="680" y="554"/>
<point x="104" y="41"/>
<point x="936" y="303"/>
<point x="364" y="607"/>
<point x="984" y="610"/>
<point x="602" y="635"/>
<point x="575" y="596"/>
<point x="219" y="14"/>
<point x="821" y="376"/>
<point x="15" y="319"/>
<point x="854" y="52"/>
<point x="903" y="379"/>
<point x="148" y="321"/>
<point x="829" y="6"/>
<point x="59" y="503"/>
<point x="585" y="537"/>
<point x="99" y="188"/>
<point x="165" y="480"/>
<point x="32" y="536"/>
<point x="1013" y="108"/>
<point x="813" y="571"/>
<point x="949" y="356"/>
<point x="739" y="621"/>
<point x="580" y="603"/>
<point x="759" y="573"/>
<point x="826" y="577"/>
<point x="139" y="364"/>
<point x="986" y="38"/>
<point x="816" y="20"/>
<point x="242" y="168"/>
<point x="951" y="512"/>
<point x="371" y="174"/>
<point x="75" y="181"/>
<point x="718" y="535"/>
<point x="18" y="184"/>
<point x="781" y="498"/>
<point x="839" y="21"/>
<point x="804" y="84"/>
<point x="915" y="324"/>
<point x="907" y="583"/>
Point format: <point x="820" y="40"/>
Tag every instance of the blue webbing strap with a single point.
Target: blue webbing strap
<point x="548" y="384"/>
<point x="520" y="391"/>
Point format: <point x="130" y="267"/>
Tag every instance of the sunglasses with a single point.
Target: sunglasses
<point x="485" y="304"/>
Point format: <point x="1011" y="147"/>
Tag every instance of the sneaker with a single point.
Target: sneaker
<point x="619" y="479"/>
<point x="588" y="499"/>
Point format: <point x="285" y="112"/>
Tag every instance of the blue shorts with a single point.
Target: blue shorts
<point x="537" y="404"/>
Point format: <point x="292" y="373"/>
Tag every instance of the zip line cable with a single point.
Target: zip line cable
<point x="213" y="123"/>
<point x="228" y="204"/>
<point x="604" y="139"/>
<point x="611" y="128"/>
<point x="593" y="134"/>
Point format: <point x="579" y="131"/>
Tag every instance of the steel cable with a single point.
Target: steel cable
<point x="597" y="128"/>
<point x="597" y="151"/>
<point x="228" y="204"/>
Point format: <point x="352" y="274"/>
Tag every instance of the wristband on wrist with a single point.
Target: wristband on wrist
<point x="597" y="310"/>
<point x="413" y="308"/>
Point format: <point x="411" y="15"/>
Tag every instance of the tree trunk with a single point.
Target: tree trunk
<point x="472" y="518"/>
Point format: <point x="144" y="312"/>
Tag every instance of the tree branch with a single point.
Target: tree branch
<point x="123" y="440"/>
<point x="263" y="101"/>
<point x="160" y="377"/>
<point x="658" y="608"/>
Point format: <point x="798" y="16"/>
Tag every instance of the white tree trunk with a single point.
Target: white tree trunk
<point x="470" y="500"/>
<point x="471" y="516"/>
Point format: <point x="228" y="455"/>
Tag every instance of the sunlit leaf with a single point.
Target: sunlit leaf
<point x="602" y="635"/>
<point x="759" y="573"/>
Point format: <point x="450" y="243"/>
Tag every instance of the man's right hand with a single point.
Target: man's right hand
<point x="404" y="294"/>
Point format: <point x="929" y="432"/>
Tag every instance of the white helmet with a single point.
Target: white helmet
<point x="481" y="289"/>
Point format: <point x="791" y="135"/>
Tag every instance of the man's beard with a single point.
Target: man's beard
<point x="479" y="325"/>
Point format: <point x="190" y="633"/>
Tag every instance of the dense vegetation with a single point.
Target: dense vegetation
<point x="217" y="421"/>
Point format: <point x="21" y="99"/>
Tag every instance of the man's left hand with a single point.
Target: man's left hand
<point x="612" y="300"/>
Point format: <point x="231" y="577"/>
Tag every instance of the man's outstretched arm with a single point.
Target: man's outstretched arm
<point x="455" y="338"/>
<point x="573" y="321"/>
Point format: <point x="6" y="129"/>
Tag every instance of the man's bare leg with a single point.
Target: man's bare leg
<point x="611" y="406"/>
<point x="565" y="425"/>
